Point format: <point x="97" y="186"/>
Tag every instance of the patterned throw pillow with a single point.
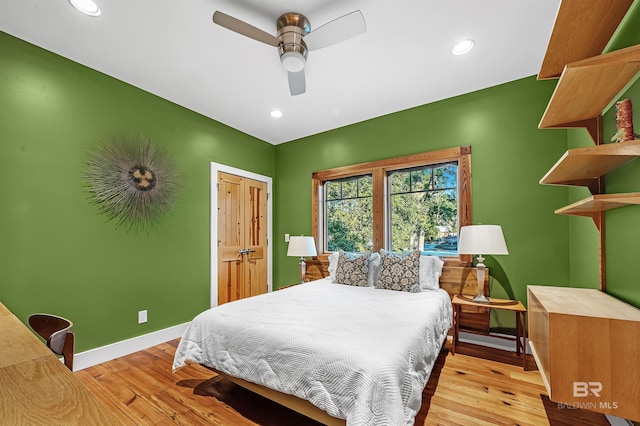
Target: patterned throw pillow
<point x="399" y="272"/>
<point x="352" y="269"/>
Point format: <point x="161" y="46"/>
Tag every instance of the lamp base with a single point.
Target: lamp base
<point x="481" y="298"/>
<point x="481" y="268"/>
<point x="303" y="269"/>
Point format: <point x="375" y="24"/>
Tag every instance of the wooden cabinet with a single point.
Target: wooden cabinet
<point x="587" y="347"/>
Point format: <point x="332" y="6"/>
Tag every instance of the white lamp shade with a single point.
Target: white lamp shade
<point x="301" y="246"/>
<point x="482" y="239"/>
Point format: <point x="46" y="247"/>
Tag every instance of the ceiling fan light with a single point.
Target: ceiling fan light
<point x="88" y="7"/>
<point x="292" y="61"/>
<point x="462" y="47"/>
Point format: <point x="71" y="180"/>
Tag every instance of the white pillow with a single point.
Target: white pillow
<point x="430" y="271"/>
<point x="333" y="264"/>
<point x="374" y="269"/>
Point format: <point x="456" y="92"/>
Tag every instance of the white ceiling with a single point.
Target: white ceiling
<point x="171" y="48"/>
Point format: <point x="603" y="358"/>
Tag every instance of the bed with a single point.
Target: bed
<point x="336" y="353"/>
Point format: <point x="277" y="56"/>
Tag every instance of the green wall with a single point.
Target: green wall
<point x="57" y="254"/>
<point x="509" y="156"/>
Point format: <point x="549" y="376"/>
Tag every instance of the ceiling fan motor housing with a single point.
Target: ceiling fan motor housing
<point x="292" y="27"/>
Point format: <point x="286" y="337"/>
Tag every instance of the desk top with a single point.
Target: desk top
<point x="36" y="387"/>
<point x="584" y="302"/>
<point x="504" y="304"/>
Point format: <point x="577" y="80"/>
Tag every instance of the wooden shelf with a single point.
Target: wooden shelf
<point x="586" y="87"/>
<point x="598" y="203"/>
<point x="582" y="29"/>
<point x="583" y="166"/>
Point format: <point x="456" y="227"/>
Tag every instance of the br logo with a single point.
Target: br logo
<point x="584" y="389"/>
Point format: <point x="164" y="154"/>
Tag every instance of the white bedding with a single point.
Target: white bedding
<point x="359" y="353"/>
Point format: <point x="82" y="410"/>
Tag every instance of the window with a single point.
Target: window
<point x="405" y="203"/>
<point x="423" y="209"/>
<point x="349" y="214"/>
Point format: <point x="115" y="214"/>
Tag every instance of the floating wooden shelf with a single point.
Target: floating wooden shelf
<point x="583" y="166"/>
<point x="598" y="203"/>
<point x="582" y="30"/>
<point x="586" y="87"/>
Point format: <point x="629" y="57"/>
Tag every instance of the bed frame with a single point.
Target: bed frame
<point x="454" y="279"/>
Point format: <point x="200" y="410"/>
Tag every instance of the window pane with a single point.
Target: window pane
<point x="427" y="217"/>
<point x="399" y="182"/>
<point x="349" y="215"/>
<point x="350" y="225"/>
<point x="365" y="186"/>
<point x="445" y="177"/>
<point x="420" y="180"/>
<point x="333" y="190"/>
<point x="350" y="189"/>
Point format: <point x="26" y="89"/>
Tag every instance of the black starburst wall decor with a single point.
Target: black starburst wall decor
<point x="132" y="181"/>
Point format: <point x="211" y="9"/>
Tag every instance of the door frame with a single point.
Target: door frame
<point x="213" y="257"/>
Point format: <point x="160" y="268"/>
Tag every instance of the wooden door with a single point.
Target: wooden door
<point x="242" y="237"/>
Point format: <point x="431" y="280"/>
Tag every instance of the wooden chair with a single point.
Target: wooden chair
<point x="57" y="332"/>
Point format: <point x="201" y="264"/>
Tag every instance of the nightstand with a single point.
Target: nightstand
<point x="502" y="304"/>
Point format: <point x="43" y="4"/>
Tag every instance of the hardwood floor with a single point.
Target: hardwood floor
<point x="477" y="386"/>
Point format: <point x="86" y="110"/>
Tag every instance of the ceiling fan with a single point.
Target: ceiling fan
<point x="294" y="38"/>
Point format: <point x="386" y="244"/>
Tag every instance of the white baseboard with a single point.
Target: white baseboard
<point x="490" y="341"/>
<point x="106" y="353"/>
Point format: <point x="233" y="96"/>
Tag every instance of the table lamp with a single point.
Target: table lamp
<point x="481" y="239"/>
<point x="301" y="246"/>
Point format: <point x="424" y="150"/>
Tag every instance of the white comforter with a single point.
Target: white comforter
<point x="359" y="353"/>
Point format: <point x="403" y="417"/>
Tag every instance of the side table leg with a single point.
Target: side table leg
<point x="524" y="341"/>
<point x="518" y="333"/>
<point x="456" y="328"/>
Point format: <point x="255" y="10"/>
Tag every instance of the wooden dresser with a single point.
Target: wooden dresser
<point x="36" y="388"/>
<point x="587" y="347"/>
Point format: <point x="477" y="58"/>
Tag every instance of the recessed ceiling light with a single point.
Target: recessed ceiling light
<point x="88" y="7"/>
<point x="276" y="113"/>
<point x="462" y="47"/>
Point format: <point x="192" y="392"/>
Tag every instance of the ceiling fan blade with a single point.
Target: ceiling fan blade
<point x="340" y="29"/>
<point x="241" y="27"/>
<point x="297" y="85"/>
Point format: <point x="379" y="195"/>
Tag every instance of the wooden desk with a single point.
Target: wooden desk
<point x="502" y="304"/>
<point x="36" y="388"/>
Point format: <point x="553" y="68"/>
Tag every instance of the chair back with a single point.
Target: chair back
<point x="57" y="332"/>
